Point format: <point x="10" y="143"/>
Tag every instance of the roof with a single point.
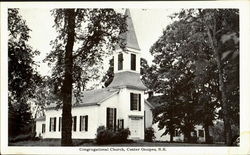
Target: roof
<point x="127" y="79"/>
<point x="149" y="104"/>
<point x="155" y="101"/>
<point x="92" y="97"/>
<point x="40" y="118"/>
<point x="129" y="36"/>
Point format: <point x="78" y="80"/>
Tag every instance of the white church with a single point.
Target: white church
<point x="122" y="104"/>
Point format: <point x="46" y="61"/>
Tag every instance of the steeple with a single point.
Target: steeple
<point x="129" y="36"/>
<point x="127" y="61"/>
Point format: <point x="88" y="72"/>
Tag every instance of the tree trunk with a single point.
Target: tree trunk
<point x="227" y="126"/>
<point x="67" y="82"/>
<point x="215" y="46"/>
<point x="171" y="137"/>
<point x="207" y="135"/>
<point x="187" y="137"/>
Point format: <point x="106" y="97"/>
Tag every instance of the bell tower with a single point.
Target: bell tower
<point x="127" y="60"/>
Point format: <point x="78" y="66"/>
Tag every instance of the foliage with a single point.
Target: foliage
<point x="217" y="131"/>
<point x="190" y="68"/>
<point x="85" y="36"/>
<point x="109" y="76"/>
<point x="121" y="136"/>
<point x="193" y="139"/>
<point x="44" y="96"/>
<point x="22" y="77"/>
<point x="21" y="73"/>
<point x="149" y="134"/>
<point x="96" y="34"/>
<point x="23" y="137"/>
<point x="106" y="136"/>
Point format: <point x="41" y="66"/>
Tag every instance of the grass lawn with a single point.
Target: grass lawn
<point x="57" y="142"/>
<point x="48" y="142"/>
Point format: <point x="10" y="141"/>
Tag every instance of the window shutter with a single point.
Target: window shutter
<point x="131" y="101"/>
<point x="107" y="118"/>
<point x="114" y="119"/>
<point x="133" y="62"/>
<point x="122" y="121"/>
<point x="43" y="128"/>
<point x="80" y="123"/>
<point x="120" y="124"/>
<point x="59" y="123"/>
<point x="75" y="123"/>
<point x="55" y="124"/>
<point x="86" y="123"/>
<point x="139" y="102"/>
<point x="120" y="61"/>
<point x="50" y="124"/>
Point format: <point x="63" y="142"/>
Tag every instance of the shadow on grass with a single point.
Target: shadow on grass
<point x="50" y="142"/>
<point x="89" y="143"/>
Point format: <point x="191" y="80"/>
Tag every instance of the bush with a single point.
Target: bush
<point x="193" y="139"/>
<point x="149" y="134"/>
<point x="105" y="136"/>
<point x="23" y="137"/>
<point x="121" y="136"/>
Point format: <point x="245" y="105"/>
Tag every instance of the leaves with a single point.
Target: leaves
<point x="22" y="77"/>
<point x="96" y="34"/>
<point x="186" y="67"/>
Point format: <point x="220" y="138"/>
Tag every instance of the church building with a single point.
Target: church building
<point x="121" y="105"/>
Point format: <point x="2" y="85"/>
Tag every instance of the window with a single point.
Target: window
<point x="74" y="123"/>
<point x="60" y="124"/>
<point x="52" y="126"/>
<point x="133" y="62"/>
<point x="84" y="123"/>
<point x="43" y="128"/>
<point x="120" y="123"/>
<point x="201" y="133"/>
<point x="120" y="61"/>
<point x="111" y="118"/>
<point x="135" y="101"/>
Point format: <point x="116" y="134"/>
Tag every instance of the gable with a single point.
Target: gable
<point x="149" y="104"/>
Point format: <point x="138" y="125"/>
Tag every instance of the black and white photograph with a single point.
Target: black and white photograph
<point x="125" y="79"/>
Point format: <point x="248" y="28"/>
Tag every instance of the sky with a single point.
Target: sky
<point x="148" y="24"/>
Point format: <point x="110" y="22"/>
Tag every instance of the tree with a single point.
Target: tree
<point x="44" y="96"/>
<point x="109" y="76"/>
<point x="84" y="37"/>
<point x="21" y="73"/>
<point x="167" y="115"/>
<point x="222" y="28"/>
<point x="186" y="53"/>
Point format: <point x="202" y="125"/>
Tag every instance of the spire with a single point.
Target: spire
<point x="130" y="36"/>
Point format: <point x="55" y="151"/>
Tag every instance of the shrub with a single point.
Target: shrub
<point x="149" y="134"/>
<point x="23" y="137"/>
<point x="105" y="136"/>
<point x="193" y="139"/>
<point x="121" y="136"/>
